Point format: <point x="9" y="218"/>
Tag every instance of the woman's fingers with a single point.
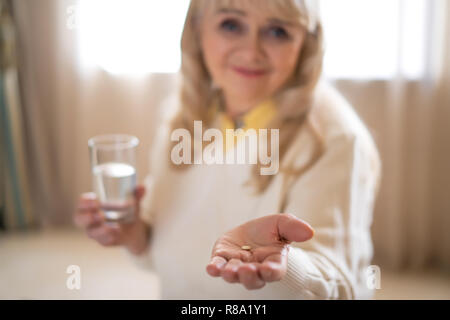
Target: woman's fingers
<point x="253" y="275"/>
<point x="88" y="220"/>
<point x="229" y="272"/>
<point x="246" y="273"/>
<point x="88" y="211"/>
<point x="249" y="276"/>
<point x="229" y="254"/>
<point x="214" y="268"/>
<point x="88" y="202"/>
<point x="106" y="235"/>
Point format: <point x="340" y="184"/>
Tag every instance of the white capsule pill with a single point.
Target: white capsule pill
<point x="246" y="247"/>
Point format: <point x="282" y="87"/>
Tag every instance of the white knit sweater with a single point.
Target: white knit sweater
<point x="189" y="210"/>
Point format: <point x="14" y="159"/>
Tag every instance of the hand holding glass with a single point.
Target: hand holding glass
<point x="113" y="163"/>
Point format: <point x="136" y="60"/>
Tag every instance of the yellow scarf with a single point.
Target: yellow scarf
<point x="256" y="118"/>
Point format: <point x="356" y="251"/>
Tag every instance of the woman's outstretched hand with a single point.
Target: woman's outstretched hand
<point x="256" y="252"/>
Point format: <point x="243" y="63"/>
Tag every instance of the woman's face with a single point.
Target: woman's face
<point x="249" y="53"/>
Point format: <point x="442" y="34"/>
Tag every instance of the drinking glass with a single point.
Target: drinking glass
<point x="113" y="164"/>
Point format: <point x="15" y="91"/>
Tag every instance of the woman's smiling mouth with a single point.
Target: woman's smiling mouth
<point x="250" y="73"/>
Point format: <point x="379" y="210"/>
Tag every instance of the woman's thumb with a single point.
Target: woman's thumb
<point x="139" y="192"/>
<point x="291" y="228"/>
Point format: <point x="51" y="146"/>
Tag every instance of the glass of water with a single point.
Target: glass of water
<point x="113" y="163"/>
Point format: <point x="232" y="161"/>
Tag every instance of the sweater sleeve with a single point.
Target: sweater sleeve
<point x="336" y="198"/>
<point x="144" y="260"/>
<point x="152" y="181"/>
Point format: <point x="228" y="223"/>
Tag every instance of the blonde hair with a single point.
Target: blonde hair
<point x="293" y="101"/>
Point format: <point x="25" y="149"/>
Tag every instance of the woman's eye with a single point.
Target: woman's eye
<point x="278" y="32"/>
<point x="230" y="25"/>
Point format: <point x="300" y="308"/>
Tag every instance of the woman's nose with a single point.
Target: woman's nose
<point x="252" y="48"/>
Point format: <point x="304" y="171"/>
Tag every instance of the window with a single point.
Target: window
<point x="374" y="39"/>
<point x="131" y="36"/>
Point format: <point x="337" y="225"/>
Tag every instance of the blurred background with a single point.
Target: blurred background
<point x="74" y="69"/>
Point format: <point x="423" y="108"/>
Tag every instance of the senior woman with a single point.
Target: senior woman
<point x="227" y="231"/>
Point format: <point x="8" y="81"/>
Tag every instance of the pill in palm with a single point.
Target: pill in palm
<point x="246" y="248"/>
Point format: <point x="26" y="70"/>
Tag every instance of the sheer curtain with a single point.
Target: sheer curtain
<point x="15" y="205"/>
<point x="65" y="103"/>
<point x="408" y="114"/>
<point x="50" y="116"/>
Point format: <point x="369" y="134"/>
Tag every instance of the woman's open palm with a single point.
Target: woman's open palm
<point x="256" y="252"/>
